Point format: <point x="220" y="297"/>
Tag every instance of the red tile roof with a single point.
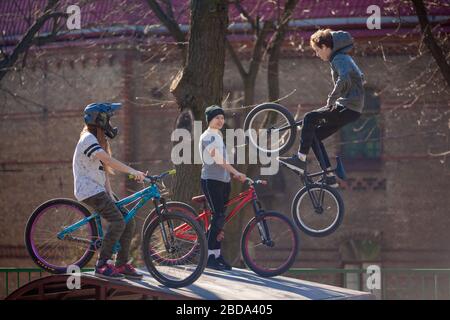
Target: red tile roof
<point x="16" y="16"/>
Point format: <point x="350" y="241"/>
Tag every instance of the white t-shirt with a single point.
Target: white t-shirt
<point x="212" y="139"/>
<point x="88" y="172"/>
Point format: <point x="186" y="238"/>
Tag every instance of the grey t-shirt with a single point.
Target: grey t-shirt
<point x="209" y="140"/>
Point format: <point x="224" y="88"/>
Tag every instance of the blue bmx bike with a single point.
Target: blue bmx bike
<point x="63" y="232"/>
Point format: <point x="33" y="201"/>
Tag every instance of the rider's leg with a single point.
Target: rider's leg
<point x="310" y="121"/>
<point x="105" y="206"/>
<point x="122" y="264"/>
<point x="217" y="194"/>
<point x="219" y="257"/>
<point x="214" y="191"/>
<point x="332" y="125"/>
<point x="321" y="153"/>
<point x="125" y="242"/>
<point x="321" y="123"/>
<point x="324" y="161"/>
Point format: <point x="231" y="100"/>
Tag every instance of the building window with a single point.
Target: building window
<point x="361" y="140"/>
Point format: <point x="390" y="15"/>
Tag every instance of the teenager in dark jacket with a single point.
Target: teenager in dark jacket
<point x="344" y="104"/>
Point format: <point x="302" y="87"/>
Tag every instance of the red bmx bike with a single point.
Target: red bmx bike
<point x="270" y="241"/>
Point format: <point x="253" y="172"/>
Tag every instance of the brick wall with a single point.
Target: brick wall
<point x="402" y="204"/>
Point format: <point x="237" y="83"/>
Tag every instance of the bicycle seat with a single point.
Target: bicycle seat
<point x="199" y="199"/>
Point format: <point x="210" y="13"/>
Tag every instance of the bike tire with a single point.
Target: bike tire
<point x="38" y="214"/>
<point x="266" y="107"/>
<point x="245" y="247"/>
<point x="153" y="228"/>
<point x="302" y="226"/>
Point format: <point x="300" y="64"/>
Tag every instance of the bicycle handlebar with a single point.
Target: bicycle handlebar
<point x="150" y="179"/>
<point x="172" y="172"/>
<point x="253" y="182"/>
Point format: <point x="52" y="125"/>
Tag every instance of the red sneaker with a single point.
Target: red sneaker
<point x="108" y="271"/>
<point x="129" y="271"/>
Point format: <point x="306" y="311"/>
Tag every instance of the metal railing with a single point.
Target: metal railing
<point x="395" y="283"/>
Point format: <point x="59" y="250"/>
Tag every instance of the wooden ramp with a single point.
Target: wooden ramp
<point x="238" y="284"/>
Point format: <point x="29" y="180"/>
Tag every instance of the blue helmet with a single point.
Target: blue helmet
<point x="99" y="114"/>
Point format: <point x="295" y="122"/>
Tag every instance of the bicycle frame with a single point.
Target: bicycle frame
<point x="141" y="197"/>
<point x="317" y="201"/>
<point x="242" y="199"/>
<point x="296" y="124"/>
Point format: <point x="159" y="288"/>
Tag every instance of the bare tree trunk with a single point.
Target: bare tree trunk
<point x="200" y="82"/>
<point x="430" y="41"/>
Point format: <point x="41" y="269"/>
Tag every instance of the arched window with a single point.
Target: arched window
<point x="361" y="140"/>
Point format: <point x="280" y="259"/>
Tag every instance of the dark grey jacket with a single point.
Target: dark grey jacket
<point x="347" y="77"/>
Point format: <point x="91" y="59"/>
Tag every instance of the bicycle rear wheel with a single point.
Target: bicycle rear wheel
<point x="318" y="212"/>
<point x="274" y="253"/>
<point x="271" y="128"/>
<point x="52" y="253"/>
<point x="175" y="249"/>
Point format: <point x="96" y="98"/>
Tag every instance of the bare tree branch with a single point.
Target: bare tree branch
<point x="169" y="22"/>
<point x="26" y="42"/>
<point x="274" y="49"/>
<point x="253" y="23"/>
<point x="235" y="59"/>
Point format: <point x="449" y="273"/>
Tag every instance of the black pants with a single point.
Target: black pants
<point x="217" y="193"/>
<point x="321" y="124"/>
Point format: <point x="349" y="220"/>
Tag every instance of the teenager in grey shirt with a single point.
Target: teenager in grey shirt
<point x="215" y="182"/>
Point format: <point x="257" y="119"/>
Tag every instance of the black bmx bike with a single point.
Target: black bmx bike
<point x="317" y="209"/>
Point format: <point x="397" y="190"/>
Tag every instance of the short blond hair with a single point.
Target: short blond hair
<point x="322" y="37"/>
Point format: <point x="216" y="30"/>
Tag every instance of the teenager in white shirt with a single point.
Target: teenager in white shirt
<point x="92" y="163"/>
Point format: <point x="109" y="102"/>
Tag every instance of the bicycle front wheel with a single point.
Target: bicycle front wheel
<point x="175" y="249"/>
<point x="41" y="235"/>
<point x="171" y="207"/>
<point x="318" y="211"/>
<point x="271" y="128"/>
<point x="270" y="244"/>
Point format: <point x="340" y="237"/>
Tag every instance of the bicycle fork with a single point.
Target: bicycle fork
<point x="262" y="225"/>
<point x="166" y="241"/>
<point x="316" y="199"/>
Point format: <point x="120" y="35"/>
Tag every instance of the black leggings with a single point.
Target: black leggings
<point x="217" y="193"/>
<point x="321" y="124"/>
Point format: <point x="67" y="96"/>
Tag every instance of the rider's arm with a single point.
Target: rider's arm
<point x="108" y="186"/>
<point x="119" y="166"/>
<point x="343" y="82"/>
<point x="218" y="159"/>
